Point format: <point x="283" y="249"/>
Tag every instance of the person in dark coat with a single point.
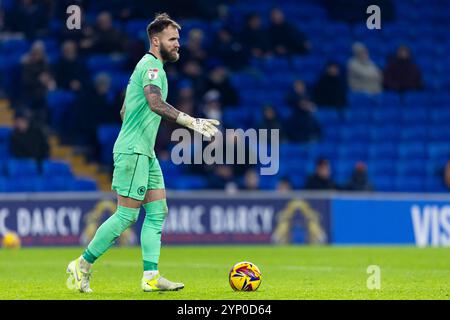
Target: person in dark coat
<point x="321" y="178"/>
<point x="302" y="126"/>
<point x="330" y="89"/>
<point x="402" y="73"/>
<point x="254" y="37"/>
<point x="359" y="180"/>
<point x="285" y="38"/>
<point x="28" y="139"/>
<point x="70" y="70"/>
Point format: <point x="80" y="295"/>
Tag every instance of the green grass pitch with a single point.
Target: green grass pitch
<point x="288" y="272"/>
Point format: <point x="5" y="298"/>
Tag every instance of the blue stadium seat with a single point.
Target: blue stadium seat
<point x="238" y="118"/>
<point x="414" y="150"/>
<point x="168" y="167"/>
<point x="410" y="184"/>
<point x="435" y="184"/>
<point x="390" y="99"/>
<point x="382" y="183"/>
<point x="353" y="151"/>
<point x="384" y="133"/>
<point x="191" y="182"/>
<point x="23" y="184"/>
<point x="440" y="116"/>
<point x="22" y="168"/>
<point x="327" y="117"/>
<point x="383" y="150"/>
<point x="56" y="169"/>
<point x="420" y="99"/>
<point x="354" y="133"/>
<point x="391" y="115"/>
<point x="439" y="133"/>
<point x="84" y="184"/>
<point x="415" y="116"/>
<point x="414" y="133"/>
<point x="381" y="168"/>
<point x="14" y="47"/>
<point x="105" y="62"/>
<point x="438" y="152"/>
<point x="410" y="168"/>
<point x="107" y="135"/>
<point x="59" y="102"/>
<point x="360" y="116"/>
<point x="292" y="150"/>
<point x="57" y="184"/>
<point x="5" y="133"/>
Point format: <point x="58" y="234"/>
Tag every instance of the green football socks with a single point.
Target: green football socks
<point x="109" y="231"/>
<point x="156" y="212"/>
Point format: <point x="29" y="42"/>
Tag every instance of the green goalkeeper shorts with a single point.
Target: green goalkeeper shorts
<point x="134" y="174"/>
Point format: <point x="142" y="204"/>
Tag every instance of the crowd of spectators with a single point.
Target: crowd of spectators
<point x="200" y="80"/>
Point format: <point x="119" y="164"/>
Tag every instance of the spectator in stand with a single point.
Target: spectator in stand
<point x="29" y="17"/>
<point x="212" y="108"/>
<point x="194" y="48"/>
<point x="363" y="75"/>
<point x="321" y="178"/>
<point x="91" y="108"/>
<point x="254" y="37"/>
<point x="222" y="177"/>
<point x="70" y="70"/>
<point x="193" y="72"/>
<point x="270" y="121"/>
<point x="359" y="180"/>
<point x="284" y="185"/>
<point x="104" y="38"/>
<point x="218" y="80"/>
<point x="285" y="39"/>
<point x="228" y="49"/>
<point x="251" y="180"/>
<point x="28" y="139"/>
<point x="302" y="126"/>
<point x="402" y="73"/>
<point x="331" y="89"/>
<point x="37" y="81"/>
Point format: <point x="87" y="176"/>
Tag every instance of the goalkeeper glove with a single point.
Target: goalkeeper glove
<point x="206" y="127"/>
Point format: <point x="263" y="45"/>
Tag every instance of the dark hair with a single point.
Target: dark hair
<point x="161" y="21"/>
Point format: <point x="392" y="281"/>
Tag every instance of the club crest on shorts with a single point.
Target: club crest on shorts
<point x="141" y="190"/>
<point x="152" y="74"/>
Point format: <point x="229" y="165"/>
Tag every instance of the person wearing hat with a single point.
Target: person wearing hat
<point x="363" y="75"/>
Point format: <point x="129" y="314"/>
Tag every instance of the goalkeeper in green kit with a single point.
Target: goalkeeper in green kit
<point x="137" y="176"/>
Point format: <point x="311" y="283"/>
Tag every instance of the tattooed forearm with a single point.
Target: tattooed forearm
<point x="157" y="105"/>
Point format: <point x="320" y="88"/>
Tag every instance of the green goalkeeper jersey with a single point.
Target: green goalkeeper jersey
<point x="140" y="124"/>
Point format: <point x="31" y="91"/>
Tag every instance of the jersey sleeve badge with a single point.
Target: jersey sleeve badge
<point x="153" y="74"/>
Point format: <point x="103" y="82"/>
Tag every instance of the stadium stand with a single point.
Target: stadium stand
<point x="402" y="137"/>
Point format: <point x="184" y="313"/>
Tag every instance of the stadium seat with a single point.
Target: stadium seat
<point x="107" y="135"/>
<point x="383" y="183"/>
<point x="23" y="184"/>
<point x="409" y="183"/>
<point x="381" y="168"/>
<point x="383" y="150"/>
<point x="84" y="184"/>
<point x="56" y="168"/>
<point x="22" y="168"/>
<point x="388" y="132"/>
<point x="57" y="183"/>
<point x="59" y="102"/>
<point x="412" y="151"/>
<point x="414" y="133"/>
<point x="415" y="116"/>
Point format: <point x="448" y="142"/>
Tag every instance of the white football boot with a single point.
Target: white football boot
<point x="79" y="275"/>
<point x="159" y="283"/>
